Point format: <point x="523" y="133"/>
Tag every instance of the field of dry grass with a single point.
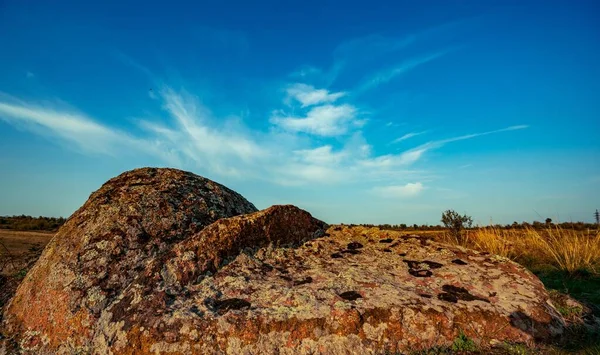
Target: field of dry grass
<point x="564" y="249"/>
<point x="18" y="252"/>
<point x="19" y="249"/>
<point x="19" y="242"/>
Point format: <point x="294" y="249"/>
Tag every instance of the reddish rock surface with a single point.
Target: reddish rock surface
<point x="132" y="219"/>
<point x="135" y="272"/>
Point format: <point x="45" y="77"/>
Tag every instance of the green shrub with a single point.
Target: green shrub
<point x="463" y="343"/>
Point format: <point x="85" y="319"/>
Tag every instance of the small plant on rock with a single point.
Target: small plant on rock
<point x="516" y="349"/>
<point x="21" y="274"/>
<point x="463" y="343"/>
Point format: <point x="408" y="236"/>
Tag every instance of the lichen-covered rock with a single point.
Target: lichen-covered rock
<point x="144" y="316"/>
<point x="267" y="282"/>
<point x="131" y="220"/>
<point x="351" y="291"/>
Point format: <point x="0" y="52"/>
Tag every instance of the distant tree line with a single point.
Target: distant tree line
<point x="548" y="223"/>
<point x="399" y="227"/>
<point x="29" y="223"/>
<point x="580" y="226"/>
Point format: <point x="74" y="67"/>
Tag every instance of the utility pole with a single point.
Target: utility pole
<point x="597" y="215"/>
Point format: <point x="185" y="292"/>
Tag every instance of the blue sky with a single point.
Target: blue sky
<point x="359" y="112"/>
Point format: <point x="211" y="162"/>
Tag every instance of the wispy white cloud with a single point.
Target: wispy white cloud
<point x="79" y="131"/>
<point x="29" y="75"/>
<point x="70" y="126"/>
<point x="439" y="143"/>
<point x="322" y="155"/>
<point x="190" y="136"/>
<point x="307" y="95"/>
<point x="387" y="75"/>
<point x="419" y="151"/>
<point x="374" y="45"/>
<point x="415" y="154"/>
<point x="356" y="54"/>
<point x="325" y="120"/>
<point x="407" y="136"/>
<point x="405" y="158"/>
<point x="399" y="191"/>
<point x="198" y="139"/>
<point x="305" y="71"/>
<point x="315" y="136"/>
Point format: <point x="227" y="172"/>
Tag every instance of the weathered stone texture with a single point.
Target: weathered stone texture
<point x="146" y="266"/>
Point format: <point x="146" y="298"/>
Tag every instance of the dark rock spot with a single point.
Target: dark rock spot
<point x="387" y="250"/>
<point x="350" y="295"/>
<point x="424" y="295"/>
<point x="459" y="262"/>
<point x="492" y="294"/>
<point x="139" y="184"/>
<point x="387" y="240"/>
<point x="336" y="255"/>
<point x="421" y="268"/>
<point x="402" y="254"/>
<point x="144" y="237"/>
<point x="286" y="278"/>
<point x="354" y="245"/>
<point x="119" y="309"/>
<point x="414" y="264"/>
<point x="448" y="297"/>
<point x="267" y="267"/>
<point x="351" y="251"/>
<point x="460" y="293"/>
<point x="281" y="270"/>
<point x="422" y="239"/>
<point x="337" y="228"/>
<point x="306" y="280"/>
<point x="420" y="273"/>
<point x="228" y="304"/>
<point x="169" y="298"/>
<point x="196" y="311"/>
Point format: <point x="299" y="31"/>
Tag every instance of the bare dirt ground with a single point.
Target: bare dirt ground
<point x="18" y="252"/>
<point x="20" y="241"/>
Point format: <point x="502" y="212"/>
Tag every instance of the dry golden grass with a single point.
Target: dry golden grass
<point x="572" y="251"/>
<point x="19" y="249"/>
<point x="19" y="242"/>
<point x="565" y="249"/>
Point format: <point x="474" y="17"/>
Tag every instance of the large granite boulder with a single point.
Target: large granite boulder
<point x="139" y="270"/>
<point x="131" y="220"/>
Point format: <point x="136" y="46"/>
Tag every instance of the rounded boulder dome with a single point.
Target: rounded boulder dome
<point x="133" y="218"/>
